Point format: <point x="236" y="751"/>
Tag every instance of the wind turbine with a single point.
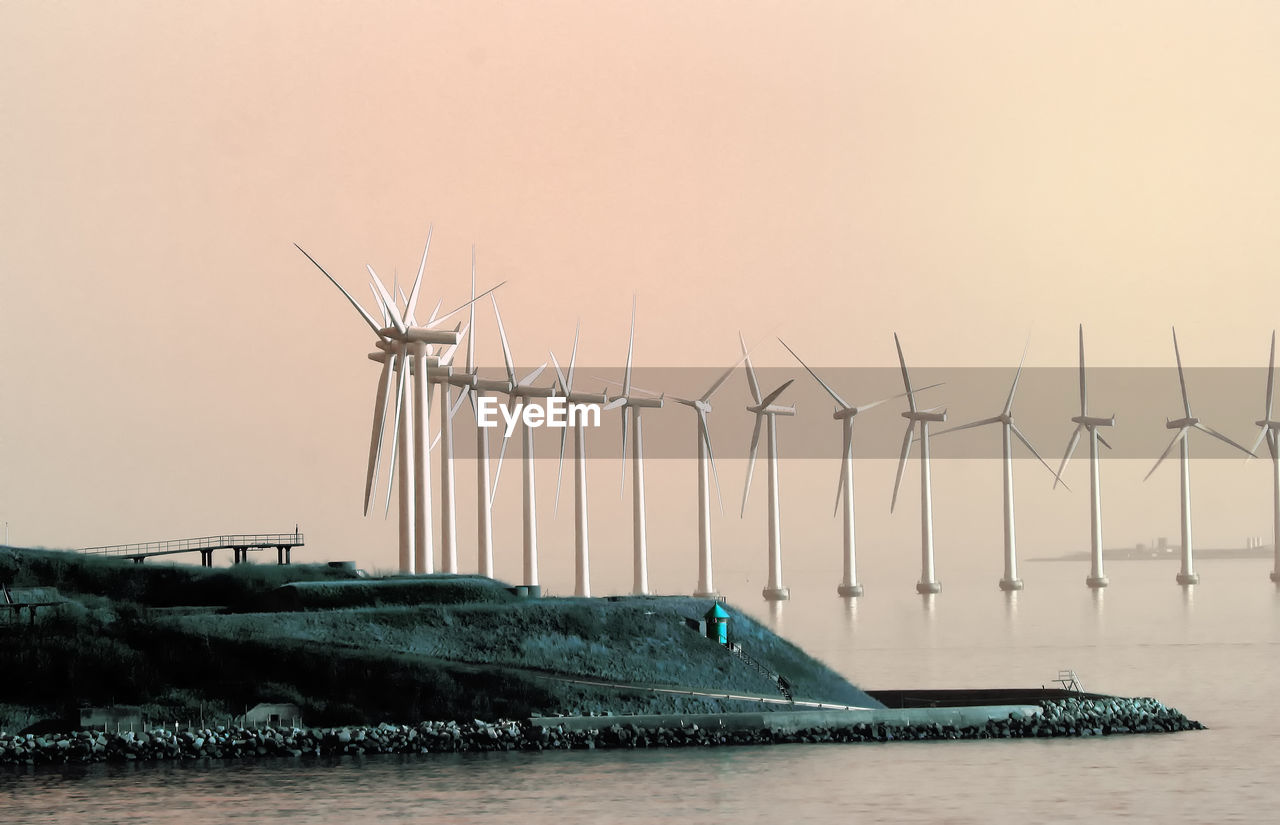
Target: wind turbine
<point x="1184" y="426"/>
<point x="928" y="582"/>
<point x="403" y="351"/>
<point x="706" y="471"/>
<point x="635" y="404"/>
<point x="582" y="559"/>
<point x="1270" y="430"/>
<point x="1097" y="578"/>
<point x="516" y="393"/>
<point x="1010" y="580"/>
<point x="474" y="388"/>
<point x="764" y="409"/>
<point x="845" y="414"/>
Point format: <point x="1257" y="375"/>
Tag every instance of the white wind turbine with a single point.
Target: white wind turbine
<point x="845" y="414"/>
<point x="1270" y="430"/>
<point x="519" y="392"/>
<point x="634" y="404"/>
<point x="403" y="350"/>
<point x="1085" y="422"/>
<point x="474" y="388"/>
<point x="1010" y="580"/>
<point x="582" y="558"/>
<point x="764" y="409"/>
<point x="706" y="472"/>
<point x="928" y="581"/>
<point x="1187" y="575"/>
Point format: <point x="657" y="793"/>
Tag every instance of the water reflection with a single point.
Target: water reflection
<point x="1011" y="604"/>
<point x="1189" y="597"/>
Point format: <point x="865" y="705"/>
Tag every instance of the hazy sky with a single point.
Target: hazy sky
<point x="832" y="172"/>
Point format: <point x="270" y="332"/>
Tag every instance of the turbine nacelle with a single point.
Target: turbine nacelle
<point x="1094" y="421"/>
<point x="1268" y="424"/>
<point x="1181" y="423"/>
<point x="585" y="398"/>
<point x="924" y="415"/>
<point x="422" y="335"/>
<point x="643" y="401"/>
<point x="772" y="409"/>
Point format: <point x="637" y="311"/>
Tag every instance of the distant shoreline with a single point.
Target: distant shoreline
<point x="1169" y="553"/>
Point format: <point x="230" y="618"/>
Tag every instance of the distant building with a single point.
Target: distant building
<point x="123" y="717"/>
<point x="265" y="713"/>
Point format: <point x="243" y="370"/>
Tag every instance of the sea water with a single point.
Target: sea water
<point x="1211" y="651"/>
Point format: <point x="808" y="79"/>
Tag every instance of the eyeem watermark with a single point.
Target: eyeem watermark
<point x="558" y="413"/>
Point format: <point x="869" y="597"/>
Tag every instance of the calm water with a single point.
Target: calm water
<point x="1211" y="652"/>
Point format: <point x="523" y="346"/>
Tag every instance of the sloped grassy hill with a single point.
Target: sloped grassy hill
<point x="179" y="640"/>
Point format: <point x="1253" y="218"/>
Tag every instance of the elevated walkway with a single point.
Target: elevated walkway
<point x="240" y="545"/>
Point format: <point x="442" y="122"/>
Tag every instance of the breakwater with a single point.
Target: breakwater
<point x="1069" y="717"/>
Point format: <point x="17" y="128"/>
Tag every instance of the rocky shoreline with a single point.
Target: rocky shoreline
<point x="1070" y="717"/>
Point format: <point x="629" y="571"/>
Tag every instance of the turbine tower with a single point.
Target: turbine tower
<point x="764" y="409"/>
<point x="582" y="559"/>
<point x="518" y="392"/>
<point x="845" y="414"/>
<point x="1270" y="430"/>
<point x="441" y="373"/>
<point x="1085" y="422"/>
<point x="701" y="406"/>
<point x="928" y="580"/>
<point x="1008" y="431"/>
<point x="1187" y="575"/>
<point x="635" y="404"/>
<point x="403" y="350"/>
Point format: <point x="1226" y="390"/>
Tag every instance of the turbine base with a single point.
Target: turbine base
<point x="849" y="591"/>
<point x="928" y="588"/>
<point x="706" y="594"/>
<point x="776" y="594"/>
<point x="1185" y="579"/>
<point x="1009" y="585"/>
<point x="1097" y="582"/>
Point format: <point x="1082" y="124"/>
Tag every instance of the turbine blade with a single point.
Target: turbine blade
<point x="1205" y="428"/>
<point x="1271" y="369"/>
<point x="902" y="463"/>
<point x="573" y="357"/>
<point x="502" y="451"/>
<point x="620" y="401"/>
<point x="559" y="374"/>
<point x="1182" y="381"/>
<point x="395" y="432"/>
<point x="564" y="432"/>
<point x="773" y="396"/>
<point x="843" y="404"/>
<point x="1272" y="444"/>
<point x="506" y="348"/>
<point x="471" y="322"/>
<point x="751" y="373"/>
<point x="631" y="344"/>
<point x="1071" y="447"/>
<point x="844" y="457"/>
<point x="533" y="376"/>
<point x="1008" y="405"/>
<point x="711" y="456"/>
<point x="1262" y="433"/>
<point x="396" y="320"/>
<point x="626" y="420"/>
<point x="906" y="379"/>
<point x="377" y="299"/>
<point x="751" y="462"/>
<point x="724" y="376"/>
<point x="1181" y="434"/>
<point x="1103" y="441"/>
<point x="466" y="391"/>
<point x="1026" y="443"/>
<point x="435" y="313"/>
<point x="417" y="282"/>
<point x="365" y="315"/>
<point x="970" y="425"/>
<point x="440" y="319"/>
<point x="380" y="402"/>
<point x="1084" y="397"/>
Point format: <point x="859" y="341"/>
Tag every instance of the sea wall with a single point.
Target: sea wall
<point x="1070" y="717"/>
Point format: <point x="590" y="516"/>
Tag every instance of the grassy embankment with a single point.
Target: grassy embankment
<point x="181" y="640"/>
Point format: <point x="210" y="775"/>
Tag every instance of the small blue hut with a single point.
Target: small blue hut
<point x="717" y="621"/>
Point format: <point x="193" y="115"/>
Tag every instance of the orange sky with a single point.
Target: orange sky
<point x="833" y="172"/>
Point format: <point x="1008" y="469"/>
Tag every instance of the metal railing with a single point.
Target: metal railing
<point x="251" y="541"/>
